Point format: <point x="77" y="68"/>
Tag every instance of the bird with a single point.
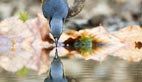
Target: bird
<point x="56" y="73"/>
<point x="56" y="12"/>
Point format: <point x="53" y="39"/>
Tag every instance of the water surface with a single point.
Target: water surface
<point x="78" y="70"/>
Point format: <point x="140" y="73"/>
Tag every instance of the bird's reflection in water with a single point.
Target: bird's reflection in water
<point x="56" y="73"/>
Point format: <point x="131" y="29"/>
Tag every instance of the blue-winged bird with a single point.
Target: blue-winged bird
<point x="56" y="11"/>
<point x="56" y="73"/>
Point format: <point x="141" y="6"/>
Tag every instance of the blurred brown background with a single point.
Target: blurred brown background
<point x="113" y="14"/>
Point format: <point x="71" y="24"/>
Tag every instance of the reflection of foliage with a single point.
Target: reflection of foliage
<point x="85" y="50"/>
<point x="84" y="44"/>
<point x="23" y="71"/>
<point x="94" y="43"/>
<point x="23" y="16"/>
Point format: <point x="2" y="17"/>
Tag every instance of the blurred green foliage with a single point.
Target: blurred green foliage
<point x="23" y="16"/>
<point x="23" y="71"/>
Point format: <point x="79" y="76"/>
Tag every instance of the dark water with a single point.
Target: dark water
<point x="78" y="70"/>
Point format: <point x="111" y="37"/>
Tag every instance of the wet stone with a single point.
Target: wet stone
<point x="96" y="20"/>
